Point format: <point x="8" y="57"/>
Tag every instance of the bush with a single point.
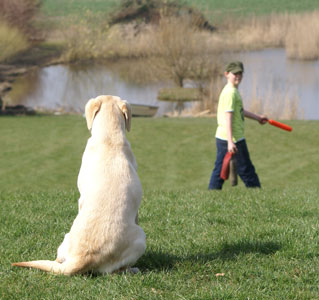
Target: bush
<point x="12" y="41"/>
<point x="19" y="13"/>
<point x="152" y="11"/>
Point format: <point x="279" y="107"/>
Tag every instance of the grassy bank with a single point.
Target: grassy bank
<point x="82" y="28"/>
<point x="242" y="25"/>
<point x="234" y="244"/>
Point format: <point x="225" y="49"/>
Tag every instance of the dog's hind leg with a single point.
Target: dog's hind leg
<point x="135" y="250"/>
<point x="128" y="257"/>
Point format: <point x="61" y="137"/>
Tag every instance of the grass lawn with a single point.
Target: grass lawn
<point x="60" y="8"/>
<point x="214" y="9"/>
<point x="44" y="152"/>
<point x="234" y="244"/>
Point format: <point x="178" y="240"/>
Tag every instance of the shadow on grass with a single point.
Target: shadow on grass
<point x="157" y="261"/>
<point x="229" y="251"/>
<point x="232" y="250"/>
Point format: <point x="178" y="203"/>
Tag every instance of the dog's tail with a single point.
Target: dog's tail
<point x="65" y="268"/>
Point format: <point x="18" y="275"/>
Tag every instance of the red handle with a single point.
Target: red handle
<point x="279" y="125"/>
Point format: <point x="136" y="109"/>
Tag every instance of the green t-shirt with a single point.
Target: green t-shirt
<point x="230" y="101"/>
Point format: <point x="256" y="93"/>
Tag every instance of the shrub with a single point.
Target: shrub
<point x="12" y="41"/>
<point x="152" y="11"/>
<point x="19" y="13"/>
<point x="182" y="51"/>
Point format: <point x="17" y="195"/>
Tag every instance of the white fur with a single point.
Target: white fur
<point x="104" y="236"/>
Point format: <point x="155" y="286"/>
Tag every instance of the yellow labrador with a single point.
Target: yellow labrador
<point x="104" y="236"/>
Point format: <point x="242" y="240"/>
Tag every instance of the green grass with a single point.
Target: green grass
<point x="60" y="8"/>
<point x="212" y="8"/>
<point x="264" y="241"/>
<point x="216" y="9"/>
<point x="44" y="152"/>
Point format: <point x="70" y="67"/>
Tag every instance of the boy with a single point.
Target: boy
<point x="230" y="130"/>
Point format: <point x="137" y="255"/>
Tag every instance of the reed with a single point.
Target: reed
<point x="210" y="95"/>
<point x="302" y="40"/>
<point x="85" y="42"/>
<point x="83" y="38"/>
<point x="298" y="33"/>
<point x="276" y="105"/>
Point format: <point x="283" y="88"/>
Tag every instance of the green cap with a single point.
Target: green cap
<point x="235" y="67"/>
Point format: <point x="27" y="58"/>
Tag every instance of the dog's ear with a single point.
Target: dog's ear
<point x="91" y="109"/>
<point x="127" y="112"/>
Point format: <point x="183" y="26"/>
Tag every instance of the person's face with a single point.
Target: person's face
<point x="234" y="79"/>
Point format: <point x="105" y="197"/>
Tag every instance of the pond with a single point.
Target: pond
<point x="276" y="80"/>
<point x="66" y="88"/>
<point x="270" y="78"/>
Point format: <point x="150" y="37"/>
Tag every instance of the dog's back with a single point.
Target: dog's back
<point x="104" y="236"/>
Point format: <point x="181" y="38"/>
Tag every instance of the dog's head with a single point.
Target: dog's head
<point x="112" y="107"/>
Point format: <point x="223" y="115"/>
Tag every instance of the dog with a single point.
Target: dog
<point x="105" y="236"/>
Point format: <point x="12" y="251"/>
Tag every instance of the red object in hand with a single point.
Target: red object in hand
<point x="279" y="125"/>
<point x="225" y="167"/>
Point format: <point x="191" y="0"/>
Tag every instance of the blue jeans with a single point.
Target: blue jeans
<point x="245" y="168"/>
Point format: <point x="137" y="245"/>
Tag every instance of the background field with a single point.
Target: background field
<point x="262" y="243"/>
<point x="242" y="25"/>
<point x="213" y="8"/>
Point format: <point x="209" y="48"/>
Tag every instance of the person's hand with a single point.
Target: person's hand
<point x="262" y="120"/>
<point x="232" y="147"/>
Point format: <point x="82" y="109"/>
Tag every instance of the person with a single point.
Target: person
<point x="230" y="130"/>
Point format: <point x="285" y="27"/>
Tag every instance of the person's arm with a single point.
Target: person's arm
<point x="231" y="145"/>
<point x="260" y="118"/>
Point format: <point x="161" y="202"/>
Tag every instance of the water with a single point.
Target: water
<point x="67" y="89"/>
<point x="269" y="76"/>
<point x="272" y="78"/>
